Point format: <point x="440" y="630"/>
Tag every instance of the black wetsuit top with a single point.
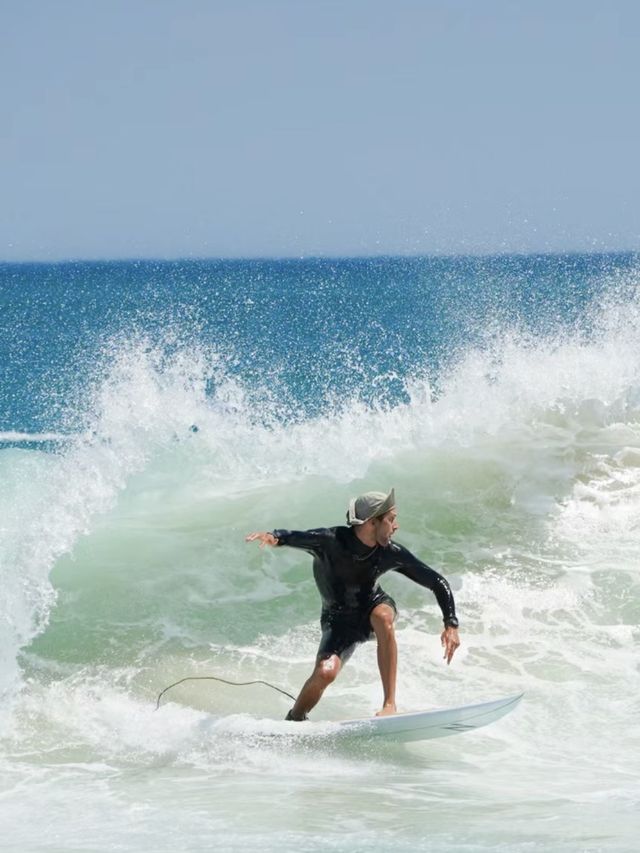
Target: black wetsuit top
<point x="346" y="572"/>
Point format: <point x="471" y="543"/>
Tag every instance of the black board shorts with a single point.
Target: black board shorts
<point x="342" y="632"/>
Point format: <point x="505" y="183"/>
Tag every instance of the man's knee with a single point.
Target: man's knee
<point x="382" y="619"/>
<point x="327" y="669"/>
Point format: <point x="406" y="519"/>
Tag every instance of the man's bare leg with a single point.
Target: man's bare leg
<point x="324" y="673"/>
<point x="382" y="618"/>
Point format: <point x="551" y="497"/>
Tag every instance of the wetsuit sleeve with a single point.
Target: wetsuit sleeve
<point x="308" y="540"/>
<point x="414" y="569"/>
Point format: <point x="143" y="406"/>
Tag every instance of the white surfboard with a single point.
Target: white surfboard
<point x="424" y="725"/>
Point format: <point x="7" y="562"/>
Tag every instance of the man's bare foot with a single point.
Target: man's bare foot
<point x="387" y="710"/>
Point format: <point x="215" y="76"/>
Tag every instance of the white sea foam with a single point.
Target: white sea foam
<point x="13" y="437"/>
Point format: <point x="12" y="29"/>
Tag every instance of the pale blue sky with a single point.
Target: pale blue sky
<point x="177" y="128"/>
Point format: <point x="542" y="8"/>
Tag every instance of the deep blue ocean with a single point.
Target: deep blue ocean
<point x="153" y="412"/>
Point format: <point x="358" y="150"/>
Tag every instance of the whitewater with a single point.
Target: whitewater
<point x="152" y="414"/>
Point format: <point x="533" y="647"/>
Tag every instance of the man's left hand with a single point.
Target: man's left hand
<point x="450" y="642"/>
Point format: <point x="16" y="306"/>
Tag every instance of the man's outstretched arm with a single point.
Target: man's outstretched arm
<point x="308" y="540"/>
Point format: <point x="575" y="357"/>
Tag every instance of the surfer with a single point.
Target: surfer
<point x="347" y="562"/>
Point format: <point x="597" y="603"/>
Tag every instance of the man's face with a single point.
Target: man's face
<point x="385" y="527"/>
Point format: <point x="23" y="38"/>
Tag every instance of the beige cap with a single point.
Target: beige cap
<point x="369" y="505"/>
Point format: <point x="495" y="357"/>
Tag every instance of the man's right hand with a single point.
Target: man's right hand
<point x="263" y="538"/>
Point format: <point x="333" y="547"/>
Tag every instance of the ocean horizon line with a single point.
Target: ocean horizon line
<point x="320" y="258"/>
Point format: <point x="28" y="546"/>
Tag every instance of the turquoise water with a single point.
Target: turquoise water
<point x="152" y="414"/>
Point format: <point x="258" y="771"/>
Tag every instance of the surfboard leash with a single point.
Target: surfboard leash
<point x="224" y="681"/>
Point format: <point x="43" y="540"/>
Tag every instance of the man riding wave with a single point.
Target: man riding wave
<point x="347" y="563"/>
